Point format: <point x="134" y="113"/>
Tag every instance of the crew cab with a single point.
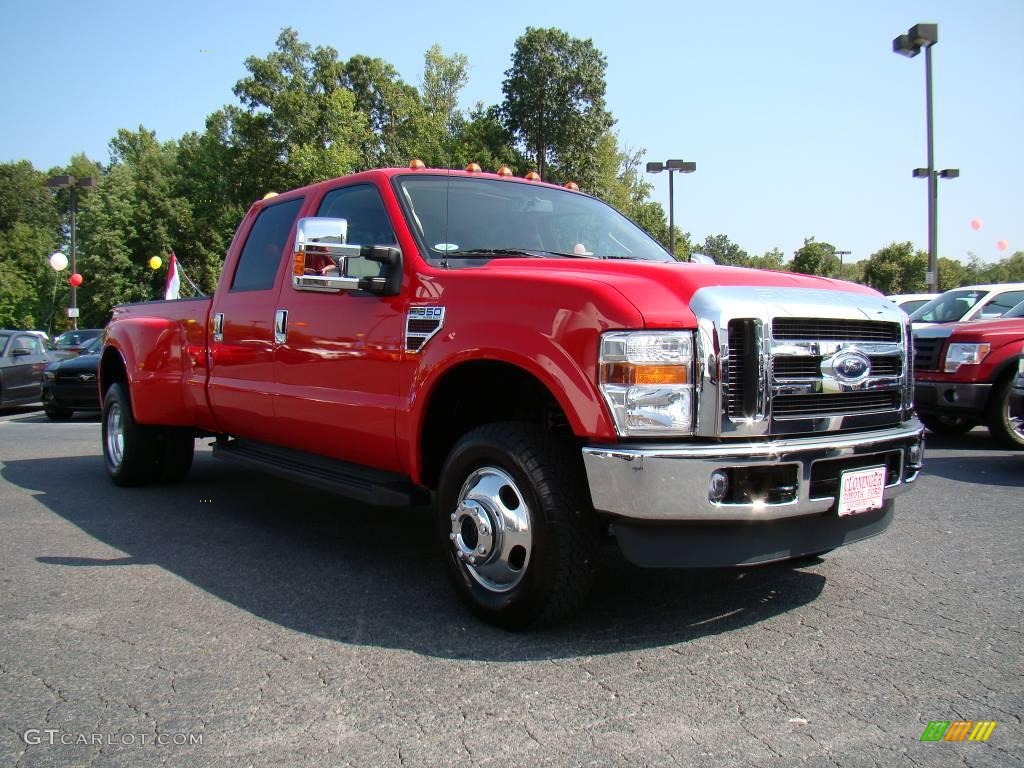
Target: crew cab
<point x="963" y="376"/>
<point x="535" y="366"/>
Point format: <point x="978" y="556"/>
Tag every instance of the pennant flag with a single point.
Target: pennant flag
<point x="173" y="279"/>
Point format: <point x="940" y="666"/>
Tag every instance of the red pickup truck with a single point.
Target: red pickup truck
<point x="536" y="367"/>
<point x="963" y="376"/>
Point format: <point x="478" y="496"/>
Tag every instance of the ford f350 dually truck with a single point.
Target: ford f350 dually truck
<point x="533" y="365"/>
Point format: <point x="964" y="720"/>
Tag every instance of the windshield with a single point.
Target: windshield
<point x="75" y="338"/>
<point x="949" y="307"/>
<point x="91" y="347"/>
<point x="458" y="217"/>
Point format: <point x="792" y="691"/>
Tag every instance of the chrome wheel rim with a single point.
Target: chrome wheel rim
<point x="115" y="435"/>
<point x="490" y="531"/>
<point x="1014" y="423"/>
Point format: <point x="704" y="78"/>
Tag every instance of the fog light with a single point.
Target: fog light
<point x="718" y="486"/>
<point x="914" y="455"/>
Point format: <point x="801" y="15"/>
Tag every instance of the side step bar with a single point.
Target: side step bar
<point x="371" y="486"/>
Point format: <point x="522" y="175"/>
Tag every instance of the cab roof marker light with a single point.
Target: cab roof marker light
<point x="572" y="185"/>
<point x="417" y="165"/>
<point x="532" y="176"/>
<point x="504" y="171"/>
<point x="473" y="168"/>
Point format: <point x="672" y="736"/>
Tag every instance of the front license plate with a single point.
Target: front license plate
<point x="861" y="491"/>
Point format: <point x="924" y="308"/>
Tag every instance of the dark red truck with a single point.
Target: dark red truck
<point x="964" y="376"/>
<point x="538" y="368"/>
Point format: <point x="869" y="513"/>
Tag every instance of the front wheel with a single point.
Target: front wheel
<point x="57" y="414"/>
<point x="945" y="424"/>
<point x="519" y="534"/>
<point x="1003" y="425"/>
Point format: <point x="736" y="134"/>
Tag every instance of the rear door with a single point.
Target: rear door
<point x="242" y="319"/>
<point x="337" y="367"/>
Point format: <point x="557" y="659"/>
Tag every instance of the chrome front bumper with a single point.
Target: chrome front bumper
<point x="669" y="482"/>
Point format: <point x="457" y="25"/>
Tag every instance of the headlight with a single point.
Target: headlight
<point x="49" y="376"/>
<point x="647" y="379"/>
<point x="965" y="354"/>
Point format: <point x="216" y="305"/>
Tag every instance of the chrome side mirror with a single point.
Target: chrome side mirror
<point x="325" y="262"/>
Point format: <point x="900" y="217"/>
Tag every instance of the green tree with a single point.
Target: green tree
<point x="816" y="258"/>
<point x="852" y="271"/>
<point x="554" y="100"/>
<point x="952" y="274"/>
<point x="443" y="79"/>
<point x="724" y="251"/>
<point x="896" y="268"/>
<point x="772" y="259"/>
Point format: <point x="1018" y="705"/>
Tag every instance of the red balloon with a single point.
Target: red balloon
<point x="1002" y="245"/>
<point x="975" y="224"/>
<point x="75" y="279"/>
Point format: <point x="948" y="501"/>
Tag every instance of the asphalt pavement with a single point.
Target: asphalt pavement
<point x="238" y="620"/>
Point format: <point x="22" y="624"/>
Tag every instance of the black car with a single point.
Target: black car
<point x="70" y="385"/>
<point x="75" y="340"/>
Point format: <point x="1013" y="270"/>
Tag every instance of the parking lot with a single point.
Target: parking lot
<point x="251" y="622"/>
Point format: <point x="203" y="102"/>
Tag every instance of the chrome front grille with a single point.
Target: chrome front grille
<point x="783" y="361"/>
<point x="834" y="330"/>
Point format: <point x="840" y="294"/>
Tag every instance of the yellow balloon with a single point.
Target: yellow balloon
<point x="155" y="262"/>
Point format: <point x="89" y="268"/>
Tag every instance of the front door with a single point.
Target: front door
<point x="337" y="368"/>
<point x="23" y="375"/>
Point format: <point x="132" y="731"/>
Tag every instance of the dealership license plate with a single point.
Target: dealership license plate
<point x="861" y="491"/>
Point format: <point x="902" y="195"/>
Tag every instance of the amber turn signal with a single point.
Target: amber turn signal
<point x="628" y="374"/>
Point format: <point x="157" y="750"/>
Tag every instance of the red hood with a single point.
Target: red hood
<point x="661" y="292"/>
<point x="996" y="331"/>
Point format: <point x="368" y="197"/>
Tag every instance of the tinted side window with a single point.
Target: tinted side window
<point x="363" y="209"/>
<point x="261" y="256"/>
<point x="1003" y="302"/>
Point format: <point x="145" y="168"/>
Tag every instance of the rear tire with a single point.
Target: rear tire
<point x="516" y="494"/>
<point x="944" y="424"/>
<point x="176" y="452"/>
<point x="129" y="449"/>
<point x="1006" y="428"/>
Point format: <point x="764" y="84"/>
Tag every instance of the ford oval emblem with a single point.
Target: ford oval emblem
<point x="851" y="366"/>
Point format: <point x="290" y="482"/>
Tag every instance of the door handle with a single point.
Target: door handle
<point x="218" y="327"/>
<point x="281" y="326"/>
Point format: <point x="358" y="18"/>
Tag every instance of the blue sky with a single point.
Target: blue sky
<point x="800" y="118"/>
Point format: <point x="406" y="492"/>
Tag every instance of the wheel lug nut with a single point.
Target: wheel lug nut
<point x="483" y="550"/>
<point x="483" y="529"/>
<point x="451" y="536"/>
<point x="453" y="516"/>
<point x="472" y="558"/>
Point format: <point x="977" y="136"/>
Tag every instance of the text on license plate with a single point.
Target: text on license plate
<point x="861" y="491"/>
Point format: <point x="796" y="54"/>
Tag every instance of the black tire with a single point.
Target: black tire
<point x="556" y="572"/>
<point x="946" y="424"/>
<point x="1007" y="429"/>
<point x="57" y="414"/>
<point x="132" y="460"/>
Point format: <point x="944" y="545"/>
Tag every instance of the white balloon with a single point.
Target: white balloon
<point x="59" y="261"/>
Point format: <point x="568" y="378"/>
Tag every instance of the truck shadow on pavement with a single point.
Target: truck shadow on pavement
<point x="321" y="565"/>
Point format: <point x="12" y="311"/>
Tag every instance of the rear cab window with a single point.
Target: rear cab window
<point x="265" y="246"/>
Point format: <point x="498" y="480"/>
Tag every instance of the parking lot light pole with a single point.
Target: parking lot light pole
<point x="917" y="37"/>
<point x="672" y="166"/>
<point x="70" y="182"/>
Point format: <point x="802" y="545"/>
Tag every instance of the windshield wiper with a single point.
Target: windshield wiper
<point x="535" y="253"/>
